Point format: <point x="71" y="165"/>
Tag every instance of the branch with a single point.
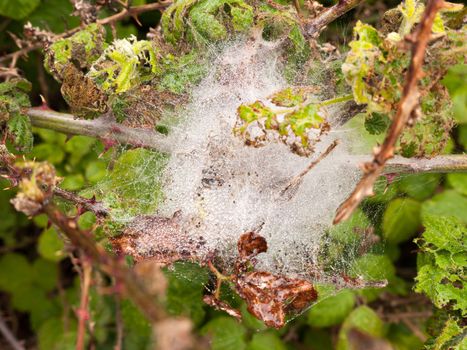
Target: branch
<point x="405" y="109"/>
<point x="82" y="312"/>
<point x="103" y="128"/>
<point x="89" y="204"/>
<point x="127" y="12"/>
<point x="313" y="28"/>
<point x="8" y="335"/>
<point x="110" y="264"/>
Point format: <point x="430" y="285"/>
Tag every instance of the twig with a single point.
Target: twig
<point x="292" y="186"/>
<point x="405" y="109"/>
<point x="110" y="264"/>
<point x="88" y="204"/>
<point x="314" y="27"/>
<point x="9" y="336"/>
<point x="103" y="128"/>
<point x="134" y="11"/>
<point x="399" y="165"/>
<point x="83" y="313"/>
<point x="127" y="12"/>
<point x="119" y="324"/>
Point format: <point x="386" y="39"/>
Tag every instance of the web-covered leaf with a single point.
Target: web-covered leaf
<point x="210" y="20"/>
<point x="299" y="127"/>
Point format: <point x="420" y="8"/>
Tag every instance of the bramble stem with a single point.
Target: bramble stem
<point x="110" y="264"/>
<point x="453" y="163"/>
<point x="103" y="128"/>
<point x="107" y="129"/>
<point x="314" y="27"/>
<point x="404" y="113"/>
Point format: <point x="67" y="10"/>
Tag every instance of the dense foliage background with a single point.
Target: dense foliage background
<point x="421" y="219"/>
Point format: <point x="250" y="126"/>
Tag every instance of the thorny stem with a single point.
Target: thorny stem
<point x="8" y="335"/>
<point x="110" y="264"/>
<point x="103" y="128"/>
<point x="126" y="12"/>
<point x="82" y="312"/>
<point x="405" y="113"/>
<point x="89" y="204"/>
<point x="314" y="27"/>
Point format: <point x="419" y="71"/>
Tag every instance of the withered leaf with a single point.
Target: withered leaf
<point x="269" y="297"/>
<point x="251" y="244"/>
<point x="157" y="238"/>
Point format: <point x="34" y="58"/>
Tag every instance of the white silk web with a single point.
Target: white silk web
<point x="223" y="188"/>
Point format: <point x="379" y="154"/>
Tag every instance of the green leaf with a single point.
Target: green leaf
<point x="377" y="123"/>
<point x="186" y="289"/>
<point x="19" y="126"/>
<point x="455" y="82"/>
<point x="226" y="334"/>
<point x="374" y="267"/>
<point x="50" y="245"/>
<point x="266" y="341"/>
<point x="72" y="182"/>
<point x="418" y="186"/>
<point x="441" y="277"/>
<point x="137" y="328"/>
<point x="447" y="203"/>
<point x="451" y="337"/>
<point x="15" y="272"/>
<point x="45" y="274"/>
<point x="363" y="319"/>
<point x="51" y="336"/>
<point x="458" y="181"/>
<point x="331" y="310"/>
<point x="17" y="9"/>
<point x="401" y="220"/>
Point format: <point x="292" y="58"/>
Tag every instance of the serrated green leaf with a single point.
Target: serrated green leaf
<point x="19" y="126"/>
<point x="376" y="123"/>
<point x="401" y="220"/>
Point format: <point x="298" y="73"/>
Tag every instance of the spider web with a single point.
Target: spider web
<point x="222" y="188"/>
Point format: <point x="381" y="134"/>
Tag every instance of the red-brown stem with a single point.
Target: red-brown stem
<point x="89" y="204"/>
<point x="112" y="265"/>
<point x="405" y="109"/>
<point x="314" y="27"/>
<point x="83" y="312"/>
